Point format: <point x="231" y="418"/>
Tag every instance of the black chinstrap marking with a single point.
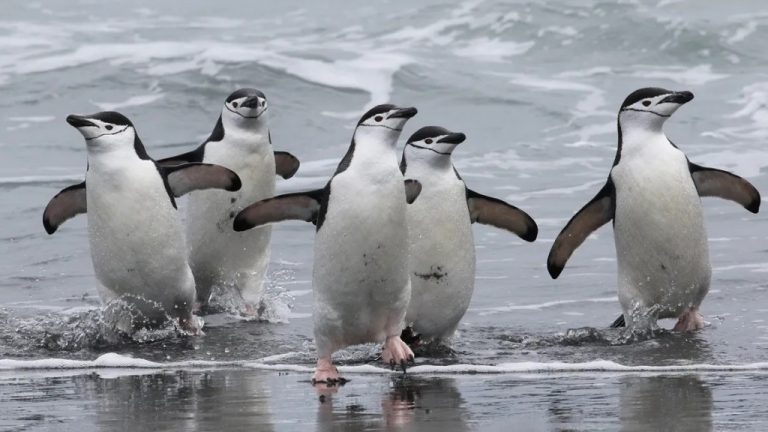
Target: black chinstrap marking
<point x="245" y="116"/>
<point x="430" y="149"/>
<point x="644" y="111"/>
<point x="396" y="130"/>
<point x="245" y="92"/>
<point x="105" y="134"/>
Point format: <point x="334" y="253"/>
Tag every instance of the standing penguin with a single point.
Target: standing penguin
<point x="360" y="275"/>
<point x="241" y="142"/>
<point x="137" y="245"/>
<point x="652" y="196"/>
<point x="442" y="248"/>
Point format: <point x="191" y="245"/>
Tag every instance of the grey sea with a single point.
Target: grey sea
<point x="534" y="85"/>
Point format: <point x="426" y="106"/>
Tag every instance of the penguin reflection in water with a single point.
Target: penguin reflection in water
<point x="442" y="248"/>
<point x="137" y="245"/>
<point x="240" y="141"/>
<point x="652" y="197"/>
<point x="360" y="275"/>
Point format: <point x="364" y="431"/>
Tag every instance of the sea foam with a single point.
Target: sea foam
<point x="118" y="361"/>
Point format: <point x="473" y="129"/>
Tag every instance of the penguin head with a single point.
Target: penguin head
<point x="432" y="144"/>
<point x="650" y="107"/>
<point x="245" y="108"/>
<point x="105" y="130"/>
<point x="384" y="122"/>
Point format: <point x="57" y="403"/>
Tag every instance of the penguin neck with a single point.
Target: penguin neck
<point x="640" y="123"/>
<point x="115" y="151"/>
<point x="252" y="132"/>
<point x="419" y="161"/>
<point x="373" y="149"/>
<point x="640" y="135"/>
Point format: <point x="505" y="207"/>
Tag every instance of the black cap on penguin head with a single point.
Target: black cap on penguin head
<point x="112" y="117"/>
<point x="428" y="132"/>
<point x="647" y="92"/>
<point x="377" y="110"/>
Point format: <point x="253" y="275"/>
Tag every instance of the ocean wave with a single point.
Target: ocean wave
<point x="40" y="179"/>
<point x="130" y="102"/>
<point x="540" y="306"/>
<point x="370" y="71"/>
<point x="118" y="361"/>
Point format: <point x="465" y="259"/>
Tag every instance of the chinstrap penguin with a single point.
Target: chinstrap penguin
<point x="652" y="197"/>
<point x="136" y="240"/>
<point x="360" y="275"/>
<point x="240" y="141"/>
<point x="442" y="248"/>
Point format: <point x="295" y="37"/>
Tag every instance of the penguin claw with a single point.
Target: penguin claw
<point x="403" y="364"/>
<point x="392" y="364"/>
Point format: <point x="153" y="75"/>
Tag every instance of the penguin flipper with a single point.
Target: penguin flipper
<point x="286" y="164"/>
<point x="189" y="177"/>
<point x="195" y="155"/>
<point x="497" y="213"/>
<point x="412" y="190"/>
<point x="726" y="185"/>
<point x="592" y="216"/>
<point x="67" y="204"/>
<point x="294" y="206"/>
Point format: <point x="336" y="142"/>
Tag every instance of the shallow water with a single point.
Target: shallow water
<point x="534" y="87"/>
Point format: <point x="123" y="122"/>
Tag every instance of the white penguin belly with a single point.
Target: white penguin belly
<point x="137" y="245"/>
<point x="218" y="254"/>
<point x="442" y="259"/>
<point x="361" y="287"/>
<point x="661" y="242"/>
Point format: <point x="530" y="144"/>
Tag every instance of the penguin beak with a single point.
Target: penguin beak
<point x="678" y="98"/>
<point x="79" y="121"/>
<point x="251" y="102"/>
<point x="405" y="113"/>
<point x="453" y="138"/>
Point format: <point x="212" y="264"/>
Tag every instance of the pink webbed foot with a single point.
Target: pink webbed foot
<point x="192" y="325"/>
<point x="326" y="373"/>
<point x="689" y="321"/>
<point x="396" y="352"/>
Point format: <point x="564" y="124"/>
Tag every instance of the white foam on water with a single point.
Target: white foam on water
<point x="40" y="179"/>
<point x="539" y="306"/>
<point x="367" y="70"/>
<point x="589" y="105"/>
<point x="587" y="73"/>
<point x="754" y="107"/>
<point x="510" y="160"/>
<point x="550" y="84"/>
<point x="755" y="267"/>
<point x="560" y="30"/>
<point x="130" y="102"/>
<point x="492" y="50"/>
<point x="695" y="76"/>
<point x="743" y="32"/>
<point x="747" y="163"/>
<point x="113" y="364"/>
<point x="32" y="119"/>
<point x="586" y="134"/>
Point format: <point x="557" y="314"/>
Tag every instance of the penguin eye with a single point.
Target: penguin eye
<point x="108" y="127"/>
<point x="234" y="104"/>
<point x="646" y="102"/>
<point x="263" y="103"/>
<point x="378" y="118"/>
<point x="428" y="141"/>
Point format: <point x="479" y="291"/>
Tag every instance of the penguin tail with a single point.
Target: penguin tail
<point x="619" y="322"/>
